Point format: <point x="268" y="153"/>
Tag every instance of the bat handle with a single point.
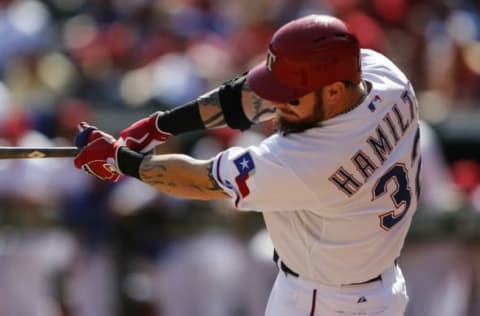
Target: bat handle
<point x="81" y="140"/>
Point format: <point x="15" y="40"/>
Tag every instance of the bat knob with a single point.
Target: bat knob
<point x="81" y="140"/>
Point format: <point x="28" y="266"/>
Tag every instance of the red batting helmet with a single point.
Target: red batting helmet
<point x="304" y="55"/>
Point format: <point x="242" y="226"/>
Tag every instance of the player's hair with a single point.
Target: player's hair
<point x="348" y="84"/>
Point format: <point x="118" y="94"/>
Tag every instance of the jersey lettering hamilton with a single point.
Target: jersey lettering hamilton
<point x="379" y="146"/>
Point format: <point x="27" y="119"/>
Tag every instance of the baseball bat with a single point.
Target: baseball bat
<point x="11" y="152"/>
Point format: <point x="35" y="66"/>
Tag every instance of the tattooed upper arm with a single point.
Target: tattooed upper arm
<point x="213" y="184"/>
<point x="210" y="110"/>
<point x="255" y="108"/>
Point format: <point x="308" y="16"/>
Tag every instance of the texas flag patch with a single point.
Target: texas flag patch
<point x="246" y="168"/>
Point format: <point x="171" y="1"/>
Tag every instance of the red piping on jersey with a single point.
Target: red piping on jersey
<point x="314" y="300"/>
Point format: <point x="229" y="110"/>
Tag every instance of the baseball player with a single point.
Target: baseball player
<point x="338" y="183"/>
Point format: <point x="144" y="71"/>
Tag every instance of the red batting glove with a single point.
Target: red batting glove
<point x="98" y="153"/>
<point x="143" y="135"/>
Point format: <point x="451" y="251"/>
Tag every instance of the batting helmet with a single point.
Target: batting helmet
<point x="304" y="55"/>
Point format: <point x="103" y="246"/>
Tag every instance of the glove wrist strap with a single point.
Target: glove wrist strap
<point x="128" y="161"/>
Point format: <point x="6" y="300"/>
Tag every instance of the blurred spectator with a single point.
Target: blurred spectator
<point x="35" y="252"/>
<point x="68" y="115"/>
<point x="64" y="61"/>
<point x="24" y="29"/>
<point x="467" y="176"/>
<point x="439" y="278"/>
<point x="440" y="191"/>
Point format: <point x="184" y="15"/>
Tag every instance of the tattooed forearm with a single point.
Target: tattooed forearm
<point x="152" y="172"/>
<point x="213" y="185"/>
<point x="181" y="176"/>
<point x="256" y="108"/>
<point x="210" y="110"/>
<point x="159" y="174"/>
<point x="262" y="113"/>
<point x="216" y="120"/>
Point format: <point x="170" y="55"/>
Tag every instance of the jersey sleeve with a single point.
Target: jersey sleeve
<point x="258" y="182"/>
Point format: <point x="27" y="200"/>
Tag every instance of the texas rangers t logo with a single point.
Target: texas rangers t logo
<point x="246" y="168"/>
<point x="271" y="58"/>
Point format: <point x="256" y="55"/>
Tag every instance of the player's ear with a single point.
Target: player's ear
<point x="333" y="93"/>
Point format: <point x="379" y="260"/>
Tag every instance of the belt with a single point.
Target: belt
<point x="283" y="266"/>
<point x="289" y="271"/>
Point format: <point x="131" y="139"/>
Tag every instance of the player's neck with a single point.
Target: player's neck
<point x="351" y="100"/>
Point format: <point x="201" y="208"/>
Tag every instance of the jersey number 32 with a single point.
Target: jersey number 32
<point x="401" y="196"/>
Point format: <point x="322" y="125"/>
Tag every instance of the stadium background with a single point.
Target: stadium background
<point x="70" y="245"/>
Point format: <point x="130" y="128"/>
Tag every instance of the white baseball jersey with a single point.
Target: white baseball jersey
<point x="337" y="199"/>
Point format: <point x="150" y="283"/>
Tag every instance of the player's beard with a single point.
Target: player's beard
<point x="286" y="126"/>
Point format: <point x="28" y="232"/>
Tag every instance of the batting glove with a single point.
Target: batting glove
<point x="98" y="155"/>
<point x="143" y="135"/>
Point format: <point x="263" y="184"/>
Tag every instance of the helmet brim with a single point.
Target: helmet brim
<point x="263" y="83"/>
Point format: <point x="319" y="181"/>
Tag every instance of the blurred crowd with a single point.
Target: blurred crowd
<point x="71" y="245"/>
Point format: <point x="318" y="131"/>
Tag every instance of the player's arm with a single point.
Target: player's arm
<point x="233" y="104"/>
<point x="254" y="108"/>
<point x="181" y="176"/>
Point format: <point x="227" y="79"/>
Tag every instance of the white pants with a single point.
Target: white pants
<point x="291" y="296"/>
